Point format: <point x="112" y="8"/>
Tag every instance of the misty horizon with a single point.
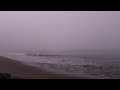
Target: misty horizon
<point x="60" y="44"/>
<point x="59" y="30"/>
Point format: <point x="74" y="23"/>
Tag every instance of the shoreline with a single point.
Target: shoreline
<point x="17" y="69"/>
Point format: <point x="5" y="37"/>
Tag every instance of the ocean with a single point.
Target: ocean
<point x="86" y="64"/>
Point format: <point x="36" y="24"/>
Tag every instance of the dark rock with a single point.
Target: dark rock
<point x="16" y="78"/>
<point x="5" y="76"/>
<point x="86" y="66"/>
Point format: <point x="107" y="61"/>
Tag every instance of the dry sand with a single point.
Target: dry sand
<point x="18" y="69"/>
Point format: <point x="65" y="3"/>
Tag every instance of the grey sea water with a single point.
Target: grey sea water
<point x="88" y="64"/>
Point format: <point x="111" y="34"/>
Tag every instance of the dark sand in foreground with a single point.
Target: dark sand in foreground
<point x="18" y="69"/>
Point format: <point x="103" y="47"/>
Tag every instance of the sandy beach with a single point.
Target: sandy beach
<point x="17" y="69"/>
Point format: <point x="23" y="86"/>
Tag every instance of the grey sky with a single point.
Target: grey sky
<point x="59" y="30"/>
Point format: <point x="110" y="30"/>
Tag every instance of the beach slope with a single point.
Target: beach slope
<point x="17" y="69"/>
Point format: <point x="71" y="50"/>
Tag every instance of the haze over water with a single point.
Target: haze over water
<point x="87" y="38"/>
<point x="59" y="30"/>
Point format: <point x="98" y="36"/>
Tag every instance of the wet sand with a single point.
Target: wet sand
<point x="17" y="69"/>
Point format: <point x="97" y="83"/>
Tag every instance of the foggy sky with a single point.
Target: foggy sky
<point x="59" y="30"/>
